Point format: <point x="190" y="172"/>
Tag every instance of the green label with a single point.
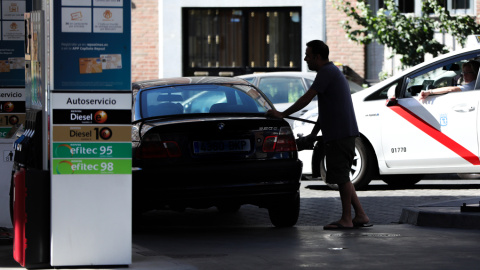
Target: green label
<point x="92" y="150"/>
<point x="92" y="166"/>
<point x="4" y="132"/>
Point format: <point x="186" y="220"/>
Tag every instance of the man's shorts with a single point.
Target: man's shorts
<point x="339" y="155"/>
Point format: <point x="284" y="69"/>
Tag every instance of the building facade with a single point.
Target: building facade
<point x="227" y="38"/>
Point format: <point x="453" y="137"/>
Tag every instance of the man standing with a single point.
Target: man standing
<point x="336" y="119"/>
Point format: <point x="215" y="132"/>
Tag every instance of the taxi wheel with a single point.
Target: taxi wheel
<point x="401" y="180"/>
<point x="363" y="167"/>
<point x="285" y="213"/>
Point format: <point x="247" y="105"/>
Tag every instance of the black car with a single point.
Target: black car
<point x="205" y="142"/>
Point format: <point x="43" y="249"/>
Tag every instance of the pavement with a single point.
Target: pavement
<point x="461" y="214"/>
<point x="422" y="228"/>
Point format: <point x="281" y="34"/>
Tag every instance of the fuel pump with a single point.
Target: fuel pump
<point x="74" y="208"/>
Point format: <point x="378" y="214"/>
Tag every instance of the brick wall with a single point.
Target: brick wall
<point x="477" y="10"/>
<point x="144" y="40"/>
<point x="343" y="50"/>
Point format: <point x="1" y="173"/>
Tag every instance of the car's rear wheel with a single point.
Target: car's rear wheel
<point x="401" y="180"/>
<point x="285" y="213"/>
<point x="363" y="166"/>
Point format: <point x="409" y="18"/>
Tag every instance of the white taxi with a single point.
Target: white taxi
<point x="404" y="137"/>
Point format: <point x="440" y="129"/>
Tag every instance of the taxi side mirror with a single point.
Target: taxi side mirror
<point x="391" y="102"/>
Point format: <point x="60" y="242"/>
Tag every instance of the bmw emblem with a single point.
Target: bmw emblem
<point x="221" y="126"/>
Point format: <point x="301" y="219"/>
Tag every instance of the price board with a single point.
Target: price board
<point x="91" y="133"/>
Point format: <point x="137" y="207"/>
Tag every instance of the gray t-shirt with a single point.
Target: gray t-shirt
<point x="335" y="108"/>
<point x="468" y="87"/>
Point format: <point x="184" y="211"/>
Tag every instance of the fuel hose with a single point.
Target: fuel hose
<point x="301" y="119"/>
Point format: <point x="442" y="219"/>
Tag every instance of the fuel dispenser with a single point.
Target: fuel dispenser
<point x="31" y="211"/>
<point x="72" y="171"/>
<point x="12" y="93"/>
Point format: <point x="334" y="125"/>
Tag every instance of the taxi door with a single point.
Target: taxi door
<point x="438" y="132"/>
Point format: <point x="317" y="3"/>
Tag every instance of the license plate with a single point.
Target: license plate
<point x="203" y="147"/>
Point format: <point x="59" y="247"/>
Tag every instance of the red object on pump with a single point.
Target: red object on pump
<point x="19" y="217"/>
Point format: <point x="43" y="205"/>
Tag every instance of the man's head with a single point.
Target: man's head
<point x="316" y="54"/>
<point x="470" y="70"/>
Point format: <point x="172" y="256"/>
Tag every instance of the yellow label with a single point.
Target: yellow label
<point x="92" y="133"/>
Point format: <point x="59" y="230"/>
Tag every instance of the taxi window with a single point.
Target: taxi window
<point x="448" y="75"/>
<point x="384" y="93"/>
<point x="444" y="74"/>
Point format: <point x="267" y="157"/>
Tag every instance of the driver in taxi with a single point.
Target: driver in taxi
<point x="470" y="71"/>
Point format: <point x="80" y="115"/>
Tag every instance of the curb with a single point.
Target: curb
<point x="443" y="215"/>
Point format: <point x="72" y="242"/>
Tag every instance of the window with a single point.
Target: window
<point x="384" y="93"/>
<point x="453" y="6"/>
<point x="406" y="6"/>
<point x="282" y="90"/>
<point x="190" y="99"/>
<point x="459" y="6"/>
<point x="214" y="38"/>
<point x="441" y="75"/>
<point x="241" y="41"/>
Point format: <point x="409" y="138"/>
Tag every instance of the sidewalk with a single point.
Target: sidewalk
<point x="446" y="214"/>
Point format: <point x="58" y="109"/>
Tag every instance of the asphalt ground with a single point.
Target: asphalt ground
<point x="321" y="205"/>
<point x="206" y="239"/>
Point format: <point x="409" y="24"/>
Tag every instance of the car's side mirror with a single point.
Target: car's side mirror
<point x="391" y="102"/>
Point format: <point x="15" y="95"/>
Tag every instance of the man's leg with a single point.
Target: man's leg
<point x="349" y="198"/>
<point x="346" y="190"/>
<point x="360" y="215"/>
<point x="341" y="156"/>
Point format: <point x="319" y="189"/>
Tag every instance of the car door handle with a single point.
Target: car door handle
<point x="463" y="108"/>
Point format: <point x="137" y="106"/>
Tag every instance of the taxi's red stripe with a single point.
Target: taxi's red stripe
<point x="435" y="134"/>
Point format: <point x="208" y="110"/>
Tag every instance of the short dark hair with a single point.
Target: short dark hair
<point x="319" y="47"/>
<point x="474" y="65"/>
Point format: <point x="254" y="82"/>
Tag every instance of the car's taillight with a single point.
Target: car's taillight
<point x="154" y="148"/>
<point x="151" y="150"/>
<point x="283" y="142"/>
<point x="173" y="150"/>
<point x="269" y="144"/>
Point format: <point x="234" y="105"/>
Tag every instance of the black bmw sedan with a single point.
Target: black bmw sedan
<point x="201" y="142"/>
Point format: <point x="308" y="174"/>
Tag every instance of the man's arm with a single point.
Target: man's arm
<point x="316" y="128"/>
<point x="298" y="105"/>
<point x="439" y="91"/>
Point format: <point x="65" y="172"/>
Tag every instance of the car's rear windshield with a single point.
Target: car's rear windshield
<point x="193" y="99"/>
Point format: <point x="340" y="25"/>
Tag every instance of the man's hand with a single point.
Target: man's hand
<point x="311" y="138"/>
<point x="423" y="95"/>
<point x="274" y="113"/>
<point x="306" y="142"/>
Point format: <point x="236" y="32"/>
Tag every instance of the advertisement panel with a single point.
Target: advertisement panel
<point x="12" y="35"/>
<point x="92" y="45"/>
